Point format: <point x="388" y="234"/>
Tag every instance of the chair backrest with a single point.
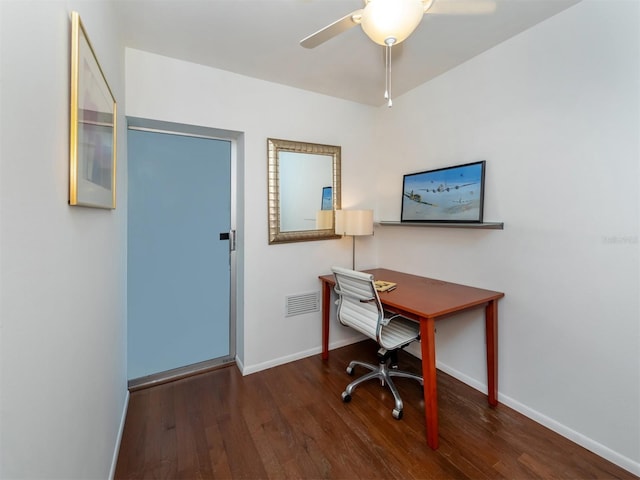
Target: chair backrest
<point x="359" y="306"/>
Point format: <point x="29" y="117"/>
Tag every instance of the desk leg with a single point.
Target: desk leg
<point x="326" y="312"/>
<point x="428" y="346"/>
<point x="491" y="329"/>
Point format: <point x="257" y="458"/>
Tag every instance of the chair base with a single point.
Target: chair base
<point x="384" y="374"/>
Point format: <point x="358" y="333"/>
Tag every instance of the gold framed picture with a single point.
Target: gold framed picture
<point x="92" y="149"/>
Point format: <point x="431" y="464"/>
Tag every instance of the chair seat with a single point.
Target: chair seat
<point x="399" y="332"/>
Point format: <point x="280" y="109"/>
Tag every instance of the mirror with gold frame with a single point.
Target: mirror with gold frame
<point x="304" y="190"/>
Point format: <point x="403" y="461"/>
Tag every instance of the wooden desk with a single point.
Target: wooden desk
<point x="427" y="300"/>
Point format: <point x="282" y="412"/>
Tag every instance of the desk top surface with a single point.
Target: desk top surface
<point x="426" y="297"/>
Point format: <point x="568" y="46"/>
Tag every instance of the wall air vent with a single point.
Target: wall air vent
<point x="302" y="303"/>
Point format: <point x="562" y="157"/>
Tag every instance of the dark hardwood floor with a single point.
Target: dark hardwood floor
<point x="290" y="422"/>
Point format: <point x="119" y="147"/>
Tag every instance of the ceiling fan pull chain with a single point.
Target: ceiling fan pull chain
<point x="387" y="64"/>
<point x="386" y="72"/>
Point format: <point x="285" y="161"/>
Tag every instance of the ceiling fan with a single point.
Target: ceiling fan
<point x="389" y="22"/>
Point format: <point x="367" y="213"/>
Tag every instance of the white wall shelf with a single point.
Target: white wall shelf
<point x="482" y="226"/>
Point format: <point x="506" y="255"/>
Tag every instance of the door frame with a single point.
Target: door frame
<point x="236" y="255"/>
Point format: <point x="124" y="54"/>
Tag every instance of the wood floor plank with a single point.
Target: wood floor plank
<point x="289" y="422"/>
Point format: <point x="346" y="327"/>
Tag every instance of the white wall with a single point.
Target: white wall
<point x="166" y="89"/>
<point x="555" y="112"/>
<point x="62" y="269"/>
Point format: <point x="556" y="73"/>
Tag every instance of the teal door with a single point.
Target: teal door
<point x="179" y="206"/>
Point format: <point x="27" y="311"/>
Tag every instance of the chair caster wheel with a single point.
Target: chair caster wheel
<point x="346" y="398"/>
<point x="350" y="371"/>
<point x="397" y="414"/>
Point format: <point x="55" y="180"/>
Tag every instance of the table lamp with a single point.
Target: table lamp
<point x="324" y="219"/>
<point x="354" y="223"/>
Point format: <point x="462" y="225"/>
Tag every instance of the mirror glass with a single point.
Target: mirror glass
<point x="304" y="190"/>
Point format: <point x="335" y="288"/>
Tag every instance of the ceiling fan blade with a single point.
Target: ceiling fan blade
<point x="462" y="7"/>
<point x="330" y="31"/>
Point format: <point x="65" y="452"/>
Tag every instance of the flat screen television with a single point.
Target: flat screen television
<point x="327" y="199"/>
<point x="445" y="195"/>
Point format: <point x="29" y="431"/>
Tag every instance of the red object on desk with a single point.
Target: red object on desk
<point x="426" y="300"/>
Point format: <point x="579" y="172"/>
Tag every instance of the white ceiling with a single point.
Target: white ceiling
<point x="260" y="38"/>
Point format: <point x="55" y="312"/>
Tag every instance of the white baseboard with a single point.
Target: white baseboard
<point x="239" y="364"/>
<point x="247" y="370"/>
<point x="472" y="382"/>
<point x="576" y="437"/>
<point x="116" y="450"/>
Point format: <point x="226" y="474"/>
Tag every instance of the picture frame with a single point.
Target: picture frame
<point x="93" y="122"/>
<point x="445" y="195"/>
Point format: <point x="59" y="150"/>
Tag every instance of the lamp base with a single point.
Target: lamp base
<point x="353" y="256"/>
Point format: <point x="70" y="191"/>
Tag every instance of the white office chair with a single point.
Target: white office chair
<point x="359" y="307"/>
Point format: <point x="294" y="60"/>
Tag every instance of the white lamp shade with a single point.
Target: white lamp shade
<point x="354" y="222"/>
<point x="391" y="19"/>
<point x="324" y="219"/>
<point x="339" y="226"/>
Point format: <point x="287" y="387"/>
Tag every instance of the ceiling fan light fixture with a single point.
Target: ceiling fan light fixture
<point x="383" y="20"/>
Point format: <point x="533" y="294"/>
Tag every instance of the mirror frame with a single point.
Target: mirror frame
<point x="274" y="147"/>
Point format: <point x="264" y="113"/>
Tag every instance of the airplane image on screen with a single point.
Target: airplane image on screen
<point x="417" y="198"/>
<point x="443" y="187"/>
